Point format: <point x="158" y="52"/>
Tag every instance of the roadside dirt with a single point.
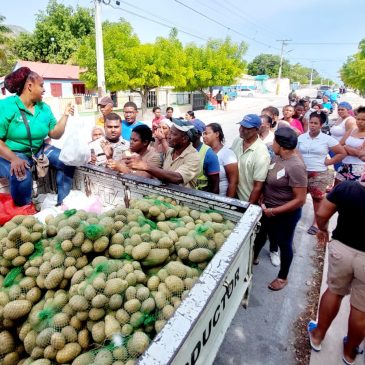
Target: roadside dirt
<point x="301" y="344"/>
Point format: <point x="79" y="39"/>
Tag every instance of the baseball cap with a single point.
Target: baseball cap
<point x="199" y="125"/>
<point x="105" y="100"/>
<point x="250" y="121"/>
<point x="345" y="104"/>
<point x="286" y="137"/>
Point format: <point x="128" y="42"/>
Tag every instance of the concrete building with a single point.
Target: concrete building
<point x="59" y="80"/>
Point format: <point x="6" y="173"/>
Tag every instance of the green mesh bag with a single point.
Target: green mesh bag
<point x="94" y="231"/>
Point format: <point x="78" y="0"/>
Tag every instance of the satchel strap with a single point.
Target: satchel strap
<point x="25" y="120"/>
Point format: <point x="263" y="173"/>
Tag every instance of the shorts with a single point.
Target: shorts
<point x="318" y="182"/>
<point x="350" y="172"/>
<point x="219" y="102"/>
<point x="346" y="273"/>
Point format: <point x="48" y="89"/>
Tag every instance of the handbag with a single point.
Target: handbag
<point x="41" y="163"/>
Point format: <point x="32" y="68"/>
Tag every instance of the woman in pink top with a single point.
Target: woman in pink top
<point x="288" y="113"/>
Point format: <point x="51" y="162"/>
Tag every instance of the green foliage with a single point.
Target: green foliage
<point x="299" y="73"/>
<point x="57" y="34"/>
<point x="217" y="63"/>
<point x="4" y="30"/>
<point x="268" y="64"/>
<point x="130" y="65"/>
<point x="353" y="71"/>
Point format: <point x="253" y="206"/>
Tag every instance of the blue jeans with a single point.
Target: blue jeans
<point x="21" y="191"/>
<point x="280" y="230"/>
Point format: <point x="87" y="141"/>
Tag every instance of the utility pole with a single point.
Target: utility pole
<point x="283" y="44"/>
<point x="311" y="79"/>
<point x="99" y="49"/>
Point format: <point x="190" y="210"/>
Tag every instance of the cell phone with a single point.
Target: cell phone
<point x="92" y="151"/>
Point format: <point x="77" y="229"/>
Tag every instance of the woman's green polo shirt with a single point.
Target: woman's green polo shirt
<point x="12" y="127"/>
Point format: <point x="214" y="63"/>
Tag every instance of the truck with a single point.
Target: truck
<point x="192" y="336"/>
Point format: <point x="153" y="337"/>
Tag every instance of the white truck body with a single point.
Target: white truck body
<point x="194" y="333"/>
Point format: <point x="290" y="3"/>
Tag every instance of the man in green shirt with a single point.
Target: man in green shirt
<point x="17" y="148"/>
<point x="253" y="159"/>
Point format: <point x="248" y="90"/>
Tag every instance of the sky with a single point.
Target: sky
<point x="322" y="33"/>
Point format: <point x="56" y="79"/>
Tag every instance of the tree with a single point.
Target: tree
<point x="6" y="56"/>
<point x="57" y="35"/>
<point x="130" y="65"/>
<point x="218" y="63"/>
<point x="353" y="71"/>
<point x="299" y="73"/>
<point x="268" y="64"/>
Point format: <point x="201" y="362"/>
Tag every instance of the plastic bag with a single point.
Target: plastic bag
<point x="79" y="200"/>
<point x="75" y="150"/>
<point x="8" y="210"/>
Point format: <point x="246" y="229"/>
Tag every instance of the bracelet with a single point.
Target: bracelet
<point x="66" y="115"/>
<point x="272" y="213"/>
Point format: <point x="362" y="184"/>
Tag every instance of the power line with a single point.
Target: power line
<point x="224" y="26"/>
<point x="248" y="17"/>
<point x="156" y="16"/>
<point x="326" y="43"/>
<point x="157" y="22"/>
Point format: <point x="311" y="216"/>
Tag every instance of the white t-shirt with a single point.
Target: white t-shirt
<point x="315" y="150"/>
<point x="225" y="156"/>
<point x="269" y="139"/>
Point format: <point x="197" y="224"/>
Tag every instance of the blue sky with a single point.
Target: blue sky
<point x="260" y="23"/>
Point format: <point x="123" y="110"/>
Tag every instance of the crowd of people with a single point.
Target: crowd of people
<point x="274" y="162"/>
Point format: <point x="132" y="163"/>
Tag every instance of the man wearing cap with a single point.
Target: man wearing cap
<point x="253" y="159"/>
<point x="105" y="105"/>
<point x="181" y="161"/>
<point x="208" y="179"/>
<point x="129" y="122"/>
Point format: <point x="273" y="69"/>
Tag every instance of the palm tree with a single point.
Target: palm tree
<point x="4" y="30"/>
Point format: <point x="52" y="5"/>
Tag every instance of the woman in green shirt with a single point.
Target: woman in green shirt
<point x="15" y="148"/>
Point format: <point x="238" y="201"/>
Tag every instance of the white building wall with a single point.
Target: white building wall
<point x="66" y="87"/>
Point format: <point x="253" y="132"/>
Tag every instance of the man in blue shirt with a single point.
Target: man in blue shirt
<point x="208" y="180"/>
<point x="129" y="122"/>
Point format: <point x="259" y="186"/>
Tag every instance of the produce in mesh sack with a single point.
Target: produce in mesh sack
<point x="53" y="267"/>
<point x="151" y="254"/>
<point x="50" y="331"/>
<point x="103" y="288"/>
<point x="122" y="350"/>
<point x="18" y="293"/>
<point x="168" y="287"/>
<point x="18" y="238"/>
<point x="80" y="231"/>
<point x="10" y="352"/>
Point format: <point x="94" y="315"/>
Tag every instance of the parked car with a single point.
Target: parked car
<point x="246" y="92"/>
<point x="321" y="90"/>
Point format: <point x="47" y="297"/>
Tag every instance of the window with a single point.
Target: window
<point x="78" y="89"/>
<point x="56" y="89"/>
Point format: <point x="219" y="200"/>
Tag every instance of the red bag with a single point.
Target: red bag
<point x="8" y="210"/>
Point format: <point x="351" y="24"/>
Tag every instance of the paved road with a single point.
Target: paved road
<point x="263" y="334"/>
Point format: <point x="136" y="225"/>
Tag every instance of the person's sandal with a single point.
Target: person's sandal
<point x="277" y="284"/>
<point x="310" y="327"/>
<point x="312" y="230"/>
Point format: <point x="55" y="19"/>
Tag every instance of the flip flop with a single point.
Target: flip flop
<point x="310" y="327"/>
<point x="277" y="284"/>
<point x="359" y="351"/>
<point x="347" y="362"/>
<point x="312" y="230"/>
